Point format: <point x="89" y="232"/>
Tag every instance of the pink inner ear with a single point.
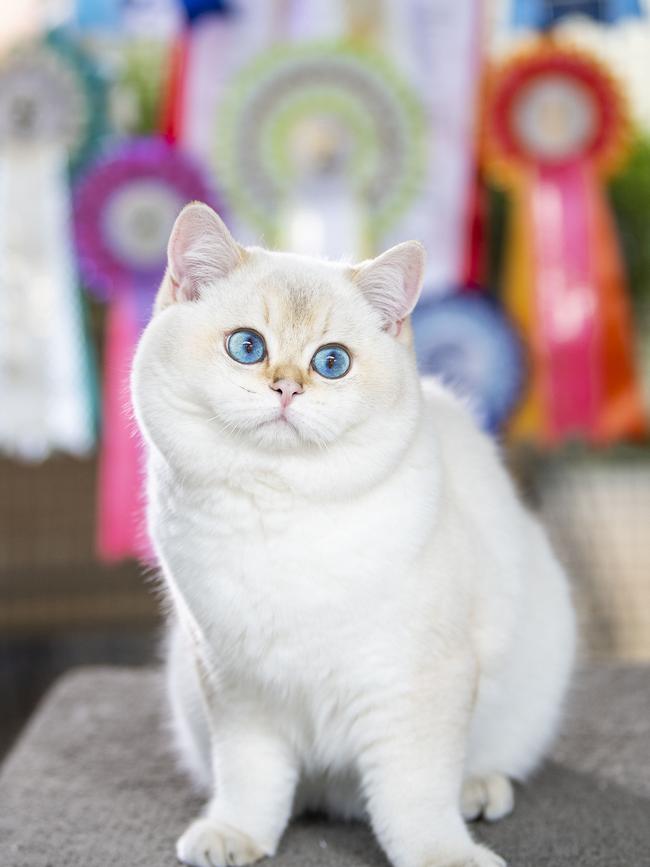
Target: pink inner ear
<point x="201" y="249"/>
<point x="392" y="282"/>
<point x="185" y="292"/>
<point x="413" y="274"/>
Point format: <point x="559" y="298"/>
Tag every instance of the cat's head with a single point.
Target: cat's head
<point x="274" y="350"/>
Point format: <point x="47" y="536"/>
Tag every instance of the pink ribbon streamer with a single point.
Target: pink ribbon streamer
<point x="566" y="298"/>
<point x="121" y="529"/>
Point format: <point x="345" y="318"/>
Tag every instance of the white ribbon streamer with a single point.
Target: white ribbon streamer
<point x="45" y="402"/>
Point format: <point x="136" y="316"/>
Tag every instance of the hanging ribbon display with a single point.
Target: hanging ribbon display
<point x="543" y="14"/>
<point x="556" y="126"/>
<point x="196" y="69"/>
<point x="468" y="343"/>
<point x="125" y="207"/>
<point x="320" y="147"/>
<point x="51" y="115"/>
<point x="185" y="60"/>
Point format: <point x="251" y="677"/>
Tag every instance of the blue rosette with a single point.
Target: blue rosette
<point x="466" y="341"/>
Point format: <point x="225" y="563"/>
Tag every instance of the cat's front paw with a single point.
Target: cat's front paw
<point x="491" y="797"/>
<point x="207" y="843"/>
<point x="476" y="856"/>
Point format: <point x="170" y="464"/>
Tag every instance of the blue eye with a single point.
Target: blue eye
<point x="332" y="362"/>
<point x="246" y="346"/>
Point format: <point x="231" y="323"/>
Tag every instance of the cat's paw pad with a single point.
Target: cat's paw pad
<point x="207" y="843"/>
<point x="491" y="797"/>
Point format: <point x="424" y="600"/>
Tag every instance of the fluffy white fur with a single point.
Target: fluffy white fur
<point x="366" y="619"/>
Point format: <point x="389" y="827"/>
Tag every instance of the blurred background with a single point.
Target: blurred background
<point x="512" y="137"/>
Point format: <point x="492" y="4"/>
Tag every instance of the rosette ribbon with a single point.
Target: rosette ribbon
<point x="556" y="126"/>
<point x="467" y="342"/>
<point x="125" y="207"/>
<point x="320" y="147"/>
<point x="50" y="117"/>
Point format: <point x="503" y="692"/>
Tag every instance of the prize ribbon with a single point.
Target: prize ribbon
<point x="556" y="125"/>
<point x="191" y="69"/>
<point x="307" y="120"/>
<point x="125" y="207"/>
<point x="51" y="116"/>
<point x="468" y="343"/>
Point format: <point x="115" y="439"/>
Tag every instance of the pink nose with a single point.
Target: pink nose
<point x="287" y="389"/>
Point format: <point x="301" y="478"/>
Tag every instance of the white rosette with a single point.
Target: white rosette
<point x="45" y="396"/>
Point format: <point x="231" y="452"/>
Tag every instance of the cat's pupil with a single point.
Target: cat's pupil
<point x="248" y="346"/>
<point x="330" y="361"/>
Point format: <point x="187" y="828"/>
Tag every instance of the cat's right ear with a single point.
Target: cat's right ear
<point x="392" y="282"/>
<point x="200" y="251"/>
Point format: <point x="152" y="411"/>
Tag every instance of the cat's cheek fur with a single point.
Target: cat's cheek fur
<point x="359" y="627"/>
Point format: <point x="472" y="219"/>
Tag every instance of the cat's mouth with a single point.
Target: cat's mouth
<point x="282" y="420"/>
<point x="280" y="430"/>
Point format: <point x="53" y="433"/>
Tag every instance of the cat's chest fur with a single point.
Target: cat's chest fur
<point x="276" y="582"/>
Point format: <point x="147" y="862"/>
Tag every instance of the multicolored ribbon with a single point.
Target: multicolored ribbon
<point x="468" y="343"/>
<point x="313" y="118"/>
<point x="51" y="116"/>
<point x="125" y="207"/>
<point x="195" y="72"/>
<point x="556" y="125"/>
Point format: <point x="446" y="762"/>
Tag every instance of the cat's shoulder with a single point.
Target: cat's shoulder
<point x="452" y="421"/>
<point x="444" y="402"/>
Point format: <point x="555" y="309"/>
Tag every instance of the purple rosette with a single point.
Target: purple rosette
<point x="125" y="205"/>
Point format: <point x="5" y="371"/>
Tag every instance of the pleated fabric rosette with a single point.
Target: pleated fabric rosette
<point x="425" y="84"/>
<point x="51" y="119"/>
<point x="125" y="207"/>
<point x="320" y="147"/>
<point x="467" y="342"/>
<point x="556" y="127"/>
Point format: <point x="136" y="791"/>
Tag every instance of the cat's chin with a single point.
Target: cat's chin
<point x="283" y="434"/>
<point x="274" y="431"/>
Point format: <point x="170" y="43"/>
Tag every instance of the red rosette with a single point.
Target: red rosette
<point x="569" y="100"/>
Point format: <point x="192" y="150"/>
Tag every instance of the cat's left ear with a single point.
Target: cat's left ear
<point x="392" y="282"/>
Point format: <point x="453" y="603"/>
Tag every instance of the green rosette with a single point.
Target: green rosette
<point x="93" y="87"/>
<point x="337" y="101"/>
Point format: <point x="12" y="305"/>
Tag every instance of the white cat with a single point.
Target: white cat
<point x="366" y="619"/>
